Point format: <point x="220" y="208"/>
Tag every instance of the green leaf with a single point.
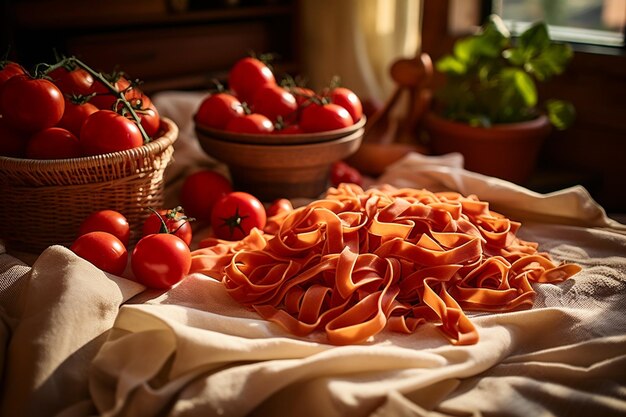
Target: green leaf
<point x="552" y="61"/>
<point x="522" y="85"/>
<point x="515" y="56"/>
<point x="451" y="65"/>
<point x="535" y="38"/>
<point x="561" y="113"/>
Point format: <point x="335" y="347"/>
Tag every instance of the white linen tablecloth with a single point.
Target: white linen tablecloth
<point x="79" y="342"/>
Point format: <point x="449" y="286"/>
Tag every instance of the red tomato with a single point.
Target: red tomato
<point x="106" y="131"/>
<point x="103" y="250"/>
<point x="217" y="110"/>
<point x="53" y="143"/>
<point x="176" y="222"/>
<point x="12" y="142"/>
<point x="201" y="190"/>
<point x="150" y="120"/>
<point x="323" y="117"/>
<point x="348" y="100"/>
<point x="75" y="82"/>
<point x="342" y="172"/>
<point x="247" y="76"/>
<point x="160" y="261"/>
<point x="274" y="102"/>
<point x="289" y="130"/>
<point x="9" y="69"/>
<point x="104" y="98"/>
<point x="279" y="206"/>
<point x="235" y="214"/>
<point x="31" y="104"/>
<point x="303" y="95"/>
<point x="109" y="221"/>
<point x="75" y="115"/>
<point x="250" y="123"/>
<point x="137" y="98"/>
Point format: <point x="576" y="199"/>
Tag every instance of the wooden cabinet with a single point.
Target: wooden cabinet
<point x="168" y="44"/>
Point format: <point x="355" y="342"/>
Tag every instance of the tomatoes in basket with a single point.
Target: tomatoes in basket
<point x="53" y="143"/>
<point x="347" y="99"/>
<point x="109" y="221"/>
<point x="106" y="131"/>
<point x="216" y="110"/>
<point x="275" y="102"/>
<point x="103" y="250"/>
<point x="9" y="69"/>
<point x="169" y="221"/>
<point x="31" y="104"/>
<point x="72" y="82"/>
<point x="149" y="119"/>
<point x="160" y="261"/>
<point x="320" y="117"/>
<point x="235" y="214"/>
<point x="247" y="76"/>
<point x="12" y="142"/>
<point x="254" y="123"/>
<point x="75" y="114"/>
<point x="104" y="98"/>
<point x="201" y="190"/>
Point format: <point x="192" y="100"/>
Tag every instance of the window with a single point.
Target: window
<point x="591" y="22"/>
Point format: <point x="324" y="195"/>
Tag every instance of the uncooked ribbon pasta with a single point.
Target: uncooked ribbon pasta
<point x="357" y="262"/>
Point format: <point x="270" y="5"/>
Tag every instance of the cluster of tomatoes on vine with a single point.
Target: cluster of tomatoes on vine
<point x="69" y="110"/>
<point x="256" y="103"/>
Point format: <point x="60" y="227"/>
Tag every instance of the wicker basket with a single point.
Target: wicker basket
<point x="44" y="201"/>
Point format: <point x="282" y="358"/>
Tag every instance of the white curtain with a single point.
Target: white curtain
<point x="358" y="40"/>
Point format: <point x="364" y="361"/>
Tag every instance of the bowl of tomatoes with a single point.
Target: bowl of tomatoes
<point x="278" y="139"/>
<point x="73" y="141"/>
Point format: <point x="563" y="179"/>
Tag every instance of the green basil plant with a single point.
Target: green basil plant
<point x="491" y="76"/>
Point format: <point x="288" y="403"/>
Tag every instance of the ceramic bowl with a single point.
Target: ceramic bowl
<point x="274" y="167"/>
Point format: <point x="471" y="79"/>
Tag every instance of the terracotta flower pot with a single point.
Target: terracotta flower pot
<point x="507" y="151"/>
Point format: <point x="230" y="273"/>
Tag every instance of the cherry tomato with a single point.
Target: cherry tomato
<point x="137" y="98"/>
<point x="75" y="115"/>
<point x="160" y="260"/>
<point x="303" y="95"/>
<point x="150" y="120"/>
<point x="104" y="98"/>
<point x="106" y="131"/>
<point x="217" y="110"/>
<point x="31" y="104"/>
<point x="348" y="100"/>
<point x="9" y="69"/>
<point x="103" y="250"/>
<point x="289" y="130"/>
<point x="254" y="123"/>
<point x="201" y="190"/>
<point x="176" y="222"/>
<point x="273" y="102"/>
<point x="12" y="142"/>
<point x="109" y="221"/>
<point x="279" y="206"/>
<point x="342" y="172"/>
<point x="235" y="214"/>
<point x="53" y="143"/>
<point x="323" y="117"/>
<point x="72" y="82"/>
<point x="247" y="76"/>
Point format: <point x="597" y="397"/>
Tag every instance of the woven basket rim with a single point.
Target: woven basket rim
<point x="154" y="147"/>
